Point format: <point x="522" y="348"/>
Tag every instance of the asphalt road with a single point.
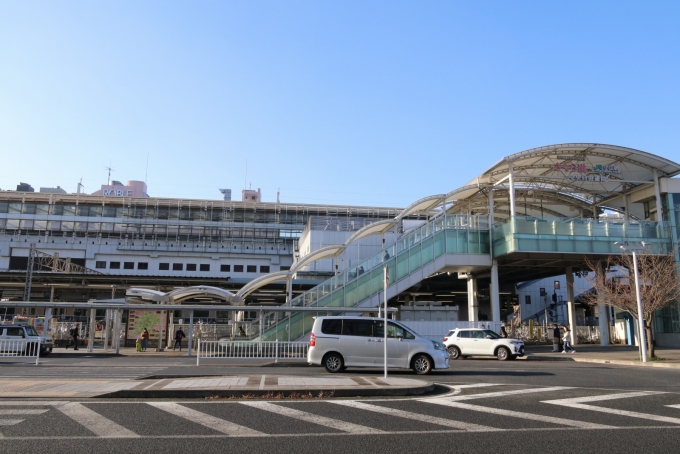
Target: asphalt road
<point x="511" y="407"/>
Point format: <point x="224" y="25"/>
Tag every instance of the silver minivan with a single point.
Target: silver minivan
<point x="17" y="332"/>
<point x="341" y="342"/>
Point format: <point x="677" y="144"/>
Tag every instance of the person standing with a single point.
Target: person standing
<point x="179" y="335"/>
<point x="74" y="337"/>
<point x="503" y="333"/>
<point x="566" y="339"/>
<point x="145" y="339"/>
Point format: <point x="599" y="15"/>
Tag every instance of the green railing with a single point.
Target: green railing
<point x="597" y="236"/>
<point x="447" y="234"/>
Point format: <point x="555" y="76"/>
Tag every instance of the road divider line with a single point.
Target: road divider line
<point x="21" y="411"/>
<point x="94" y="422"/>
<point x="602" y="397"/>
<point x="522" y="415"/>
<point x="415" y="416"/>
<point x="10" y="422"/>
<point x="312" y="418"/>
<point x="206" y="420"/>
<point x="496" y="394"/>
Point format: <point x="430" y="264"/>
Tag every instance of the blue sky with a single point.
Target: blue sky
<point x="338" y="102"/>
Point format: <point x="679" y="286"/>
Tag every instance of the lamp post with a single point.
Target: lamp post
<point x="641" y="323"/>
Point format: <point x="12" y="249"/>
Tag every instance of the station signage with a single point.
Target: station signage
<point x="570" y="167"/>
<point x="602" y="168"/>
<point x="572" y="158"/>
<point x="598" y="178"/>
<point x="117" y="192"/>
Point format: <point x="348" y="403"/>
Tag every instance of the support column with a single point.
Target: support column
<point x="90" y="334"/>
<point x="511" y="181"/>
<point x="191" y="333"/>
<point x="491" y="214"/>
<point x="626" y="207"/>
<point x="571" y="310"/>
<point x="602" y="312"/>
<point x="657" y="193"/>
<point x="107" y="327"/>
<point x="494" y="294"/>
<point x="472" y="299"/>
<point x="117" y="326"/>
<point x="48" y="313"/>
<point x="289" y="289"/>
<point x="160" y="334"/>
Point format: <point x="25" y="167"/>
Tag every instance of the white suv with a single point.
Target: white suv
<point x="462" y="342"/>
<point x="340" y="342"/>
<point x="17" y="332"/>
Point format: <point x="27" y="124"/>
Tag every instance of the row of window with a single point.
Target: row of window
<point x="180" y="267"/>
<point x="282" y="215"/>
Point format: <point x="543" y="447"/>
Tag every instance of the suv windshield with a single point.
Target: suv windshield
<point x="30" y="331"/>
<point x="488" y="332"/>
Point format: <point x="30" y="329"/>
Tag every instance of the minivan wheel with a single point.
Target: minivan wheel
<point x="333" y="363"/>
<point x="454" y="353"/>
<point x="502" y="354"/>
<point x="422" y="365"/>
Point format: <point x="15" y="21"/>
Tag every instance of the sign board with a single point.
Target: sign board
<point x="151" y="320"/>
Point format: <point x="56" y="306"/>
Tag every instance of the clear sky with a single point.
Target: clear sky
<point x="338" y="102"/>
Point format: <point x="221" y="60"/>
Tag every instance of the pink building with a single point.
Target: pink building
<point x="133" y="188"/>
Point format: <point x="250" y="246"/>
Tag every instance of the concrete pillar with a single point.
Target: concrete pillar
<point x="90" y="337"/>
<point x="117" y="326"/>
<point x="494" y="293"/>
<point x="491" y="214"/>
<point x="626" y="207"/>
<point x="657" y="193"/>
<point x="602" y="312"/>
<point x="289" y="289"/>
<point x="511" y="181"/>
<point x="160" y="334"/>
<point x="107" y="327"/>
<point x="48" y="313"/>
<point x="191" y="333"/>
<point x="473" y="309"/>
<point x="571" y="311"/>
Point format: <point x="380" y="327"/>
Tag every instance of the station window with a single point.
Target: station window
<point x="191" y="267"/>
<point x="142" y="266"/>
<point x="177" y="266"/>
<point x="284" y="268"/>
<point x="252" y="269"/>
<point x="99" y="264"/>
<point x="264" y="269"/>
<point x="164" y="266"/>
<point x="129" y="265"/>
<point x="225" y="268"/>
<point x="205" y="267"/>
<point x="114" y="265"/>
<point x="238" y="268"/>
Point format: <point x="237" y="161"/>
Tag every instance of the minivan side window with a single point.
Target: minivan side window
<point x="465" y="334"/>
<point x="357" y="328"/>
<point x="393" y="331"/>
<point x="15" y="332"/>
<point x="331" y="326"/>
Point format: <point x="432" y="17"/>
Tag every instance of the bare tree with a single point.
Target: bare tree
<point x="659" y="286"/>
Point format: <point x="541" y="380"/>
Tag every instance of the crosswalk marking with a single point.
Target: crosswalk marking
<point x="94" y="422"/>
<point x="21" y="411"/>
<point x="10" y="422"/>
<point x="312" y="418"/>
<point x="502" y="393"/>
<point x="415" y="416"/>
<point x="578" y="403"/>
<point x="217" y="424"/>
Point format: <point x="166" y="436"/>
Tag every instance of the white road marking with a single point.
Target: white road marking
<point x="262" y="382"/>
<point x="521" y="415"/>
<point x="95" y="422"/>
<point x="31" y="403"/>
<point x="496" y="394"/>
<point x="312" y="418"/>
<point x="152" y="384"/>
<point x="577" y="403"/>
<point x="673" y="406"/>
<point x="21" y="411"/>
<point x="415" y="416"/>
<point x="9" y="422"/>
<point x="211" y="422"/>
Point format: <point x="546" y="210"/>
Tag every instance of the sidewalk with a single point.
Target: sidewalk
<point x="625" y="355"/>
<point x="272" y="386"/>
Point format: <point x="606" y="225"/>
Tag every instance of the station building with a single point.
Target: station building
<point x="461" y="255"/>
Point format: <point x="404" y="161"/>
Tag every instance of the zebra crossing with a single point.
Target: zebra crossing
<point x="466" y="409"/>
<point x="71" y="372"/>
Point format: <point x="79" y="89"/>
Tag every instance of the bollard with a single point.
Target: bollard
<point x="198" y="353"/>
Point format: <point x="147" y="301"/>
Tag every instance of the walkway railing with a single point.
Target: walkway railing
<point x="20" y="348"/>
<point x="251" y="350"/>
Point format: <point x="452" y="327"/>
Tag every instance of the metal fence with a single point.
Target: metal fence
<point x="20" y="348"/>
<point x="251" y="350"/>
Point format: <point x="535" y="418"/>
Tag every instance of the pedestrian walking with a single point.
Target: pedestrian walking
<point x="75" y="332"/>
<point x="179" y="335"/>
<point x="566" y="339"/>
<point x="145" y="339"/>
<point x="502" y="333"/>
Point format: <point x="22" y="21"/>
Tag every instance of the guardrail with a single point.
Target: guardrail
<point x="20" y="348"/>
<point x="251" y="350"/>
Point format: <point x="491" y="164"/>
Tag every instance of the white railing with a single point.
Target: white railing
<point x="251" y="350"/>
<point x="20" y="348"/>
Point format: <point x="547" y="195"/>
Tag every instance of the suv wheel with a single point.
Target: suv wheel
<point x="333" y="363"/>
<point x="503" y="354"/>
<point x="422" y="364"/>
<point x="454" y="352"/>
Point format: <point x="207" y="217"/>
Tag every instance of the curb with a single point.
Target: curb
<point x="203" y="393"/>
<point x="605" y="361"/>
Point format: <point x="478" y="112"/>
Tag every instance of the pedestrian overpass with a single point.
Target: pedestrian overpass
<point x="539" y="213"/>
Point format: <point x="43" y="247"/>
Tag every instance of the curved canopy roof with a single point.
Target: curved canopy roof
<point x="261" y="281"/>
<point x="181" y="294"/>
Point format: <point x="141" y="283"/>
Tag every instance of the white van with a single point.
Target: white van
<point x="18" y="332"/>
<point x="341" y="342"/>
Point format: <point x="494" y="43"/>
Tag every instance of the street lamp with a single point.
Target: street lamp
<point x="641" y="323"/>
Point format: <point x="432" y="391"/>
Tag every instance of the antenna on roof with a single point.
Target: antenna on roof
<point x="80" y="185"/>
<point x="110" y="169"/>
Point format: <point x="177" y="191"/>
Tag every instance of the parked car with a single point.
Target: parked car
<point x="463" y="342"/>
<point x="341" y="342"/>
<point x="15" y="332"/>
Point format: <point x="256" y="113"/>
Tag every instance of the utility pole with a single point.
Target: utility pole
<point x="29" y="272"/>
